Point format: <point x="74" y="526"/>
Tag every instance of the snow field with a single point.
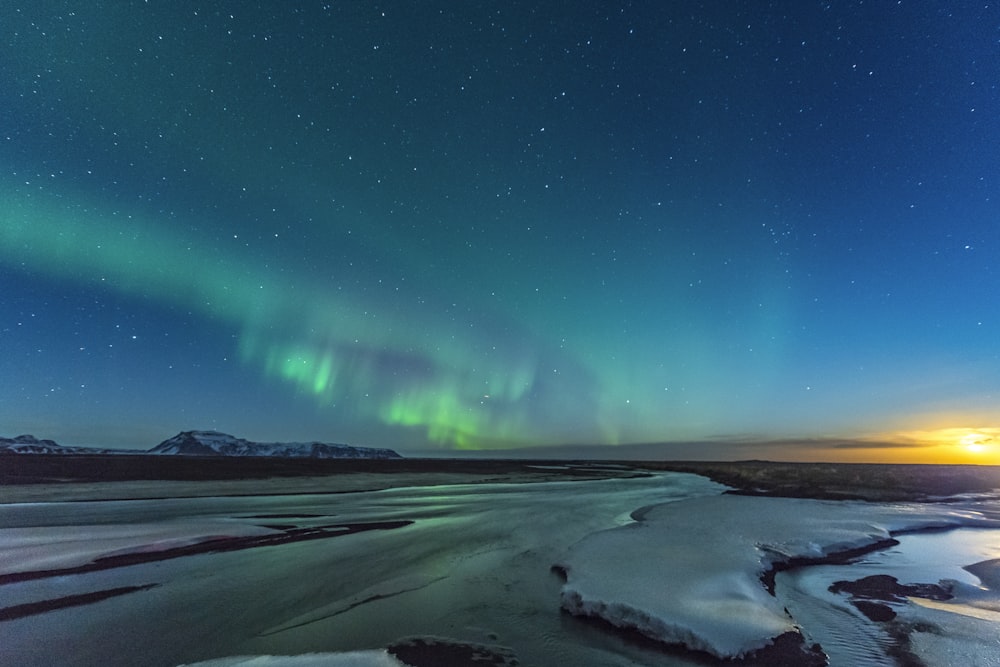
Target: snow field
<point x="690" y="571"/>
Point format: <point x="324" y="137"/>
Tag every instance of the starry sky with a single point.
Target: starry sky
<point x="450" y="226"/>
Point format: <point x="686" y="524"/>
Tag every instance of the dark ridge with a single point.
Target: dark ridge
<point x="875" y="611"/>
<point x="880" y="482"/>
<point x="888" y="589"/>
<point x="33" y="608"/>
<point x="56" y="468"/>
<point x="440" y="652"/>
<point x="838" y="558"/>
<point x="283" y="516"/>
<point x="219" y="545"/>
<point x="372" y="598"/>
<point x="786" y="650"/>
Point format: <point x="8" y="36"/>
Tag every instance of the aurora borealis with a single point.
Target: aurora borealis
<point x="450" y="226"/>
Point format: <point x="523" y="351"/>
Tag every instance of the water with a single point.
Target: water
<point x="848" y="637"/>
<point x="474" y="565"/>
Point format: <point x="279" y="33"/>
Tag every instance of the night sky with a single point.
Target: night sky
<point x="443" y="226"/>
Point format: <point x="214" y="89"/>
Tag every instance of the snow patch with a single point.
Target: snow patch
<point x="690" y="571"/>
<point x="214" y="443"/>
<point x="55" y="547"/>
<point x="29" y="444"/>
<point x="375" y="658"/>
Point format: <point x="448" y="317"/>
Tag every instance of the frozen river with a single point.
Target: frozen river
<point x="474" y="564"/>
<point x="341" y="572"/>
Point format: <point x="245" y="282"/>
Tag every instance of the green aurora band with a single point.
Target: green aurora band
<point x="391" y="365"/>
<point x="507" y="329"/>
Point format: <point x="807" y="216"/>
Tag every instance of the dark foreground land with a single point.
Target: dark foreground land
<point x="49" y="468"/>
<point x="876" y="482"/>
<point x="845" y="481"/>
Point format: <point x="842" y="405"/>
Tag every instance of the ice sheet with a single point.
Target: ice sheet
<point x="379" y="658"/>
<point x="58" y="547"/>
<point x="690" y="572"/>
<point x="484" y="550"/>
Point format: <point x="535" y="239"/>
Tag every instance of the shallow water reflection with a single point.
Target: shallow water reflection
<point x="474" y="565"/>
<point x="846" y="635"/>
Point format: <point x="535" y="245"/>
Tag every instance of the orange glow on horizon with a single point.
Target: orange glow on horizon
<point x="976" y="442"/>
<point x="951" y="445"/>
<point x="936" y="446"/>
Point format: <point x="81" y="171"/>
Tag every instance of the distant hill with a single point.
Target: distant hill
<point x="29" y="444"/>
<point x="213" y="443"/>
<point x="206" y="443"/>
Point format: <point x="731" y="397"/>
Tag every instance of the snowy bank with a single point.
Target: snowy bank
<point x="56" y="547"/>
<point x="415" y="650"/>
<point x="379" y="658"/>
<point x="690" y="572"/>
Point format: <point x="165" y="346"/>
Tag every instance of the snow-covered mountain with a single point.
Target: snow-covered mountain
<point x="205" y="443"/>
<point x="29" y="444"/>
<point x="213" y="443"/>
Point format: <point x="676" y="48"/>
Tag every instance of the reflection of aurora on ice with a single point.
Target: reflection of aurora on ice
<point x="474" y="566"/>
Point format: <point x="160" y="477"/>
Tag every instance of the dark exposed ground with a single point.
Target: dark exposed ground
<point x="53" y="468"/>
<point x="33" y="608"/>
<point x="845" y="481"/>
<point x="287" y="535"/>
<point x="442" y="652"/>
<point x="840" y="481"/>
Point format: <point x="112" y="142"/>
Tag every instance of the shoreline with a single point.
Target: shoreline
<point x="26" y="478"/>
<point x="69" y="477"/>
<point x="780" y="546"/>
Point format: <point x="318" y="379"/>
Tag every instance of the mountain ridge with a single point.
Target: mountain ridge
<point x="206" y="443"/>
<point x="29" y="444"/>
<point x="215" y="443"/>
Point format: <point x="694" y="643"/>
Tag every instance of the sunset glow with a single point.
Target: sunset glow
<point x="976" y="442"/>
<point x="951" y="445"/>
